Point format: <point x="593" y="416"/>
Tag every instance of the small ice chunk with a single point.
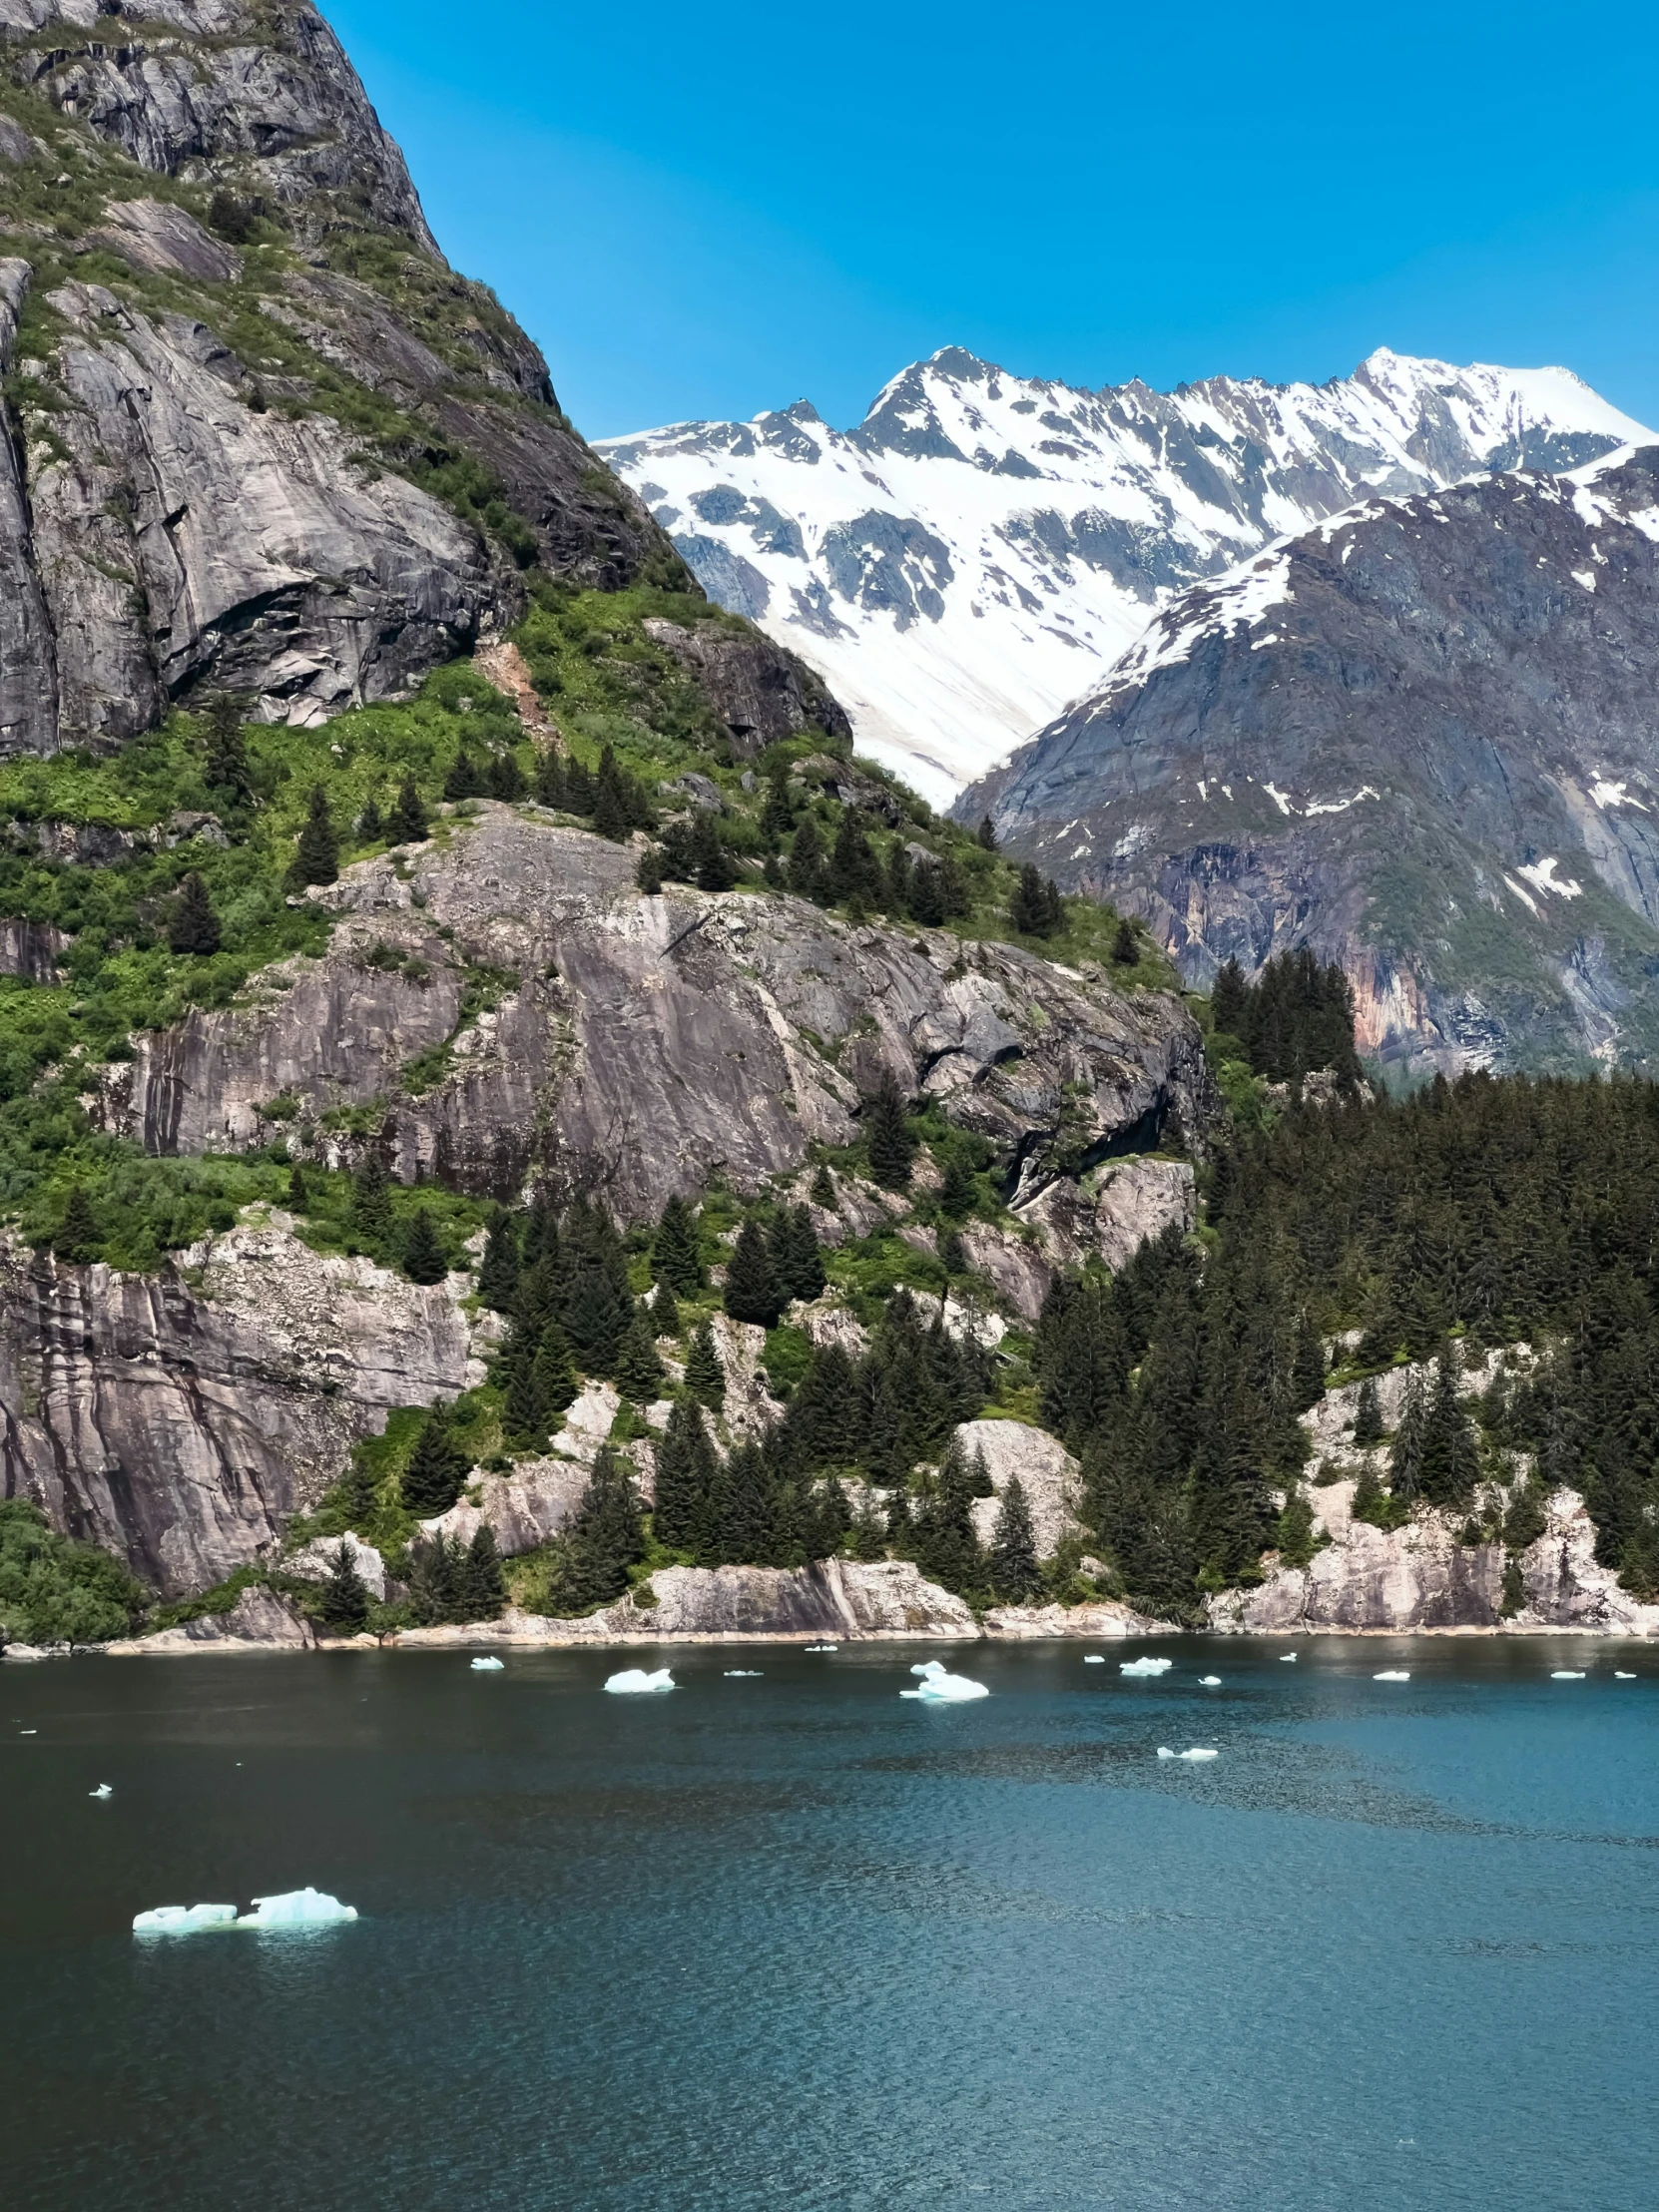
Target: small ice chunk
<point x="102" y="1790"/>
<point x="744" y="1674"/>
<point x="636" y="1682"/>
<point x="940" y="1688"/>
<point x="305" y="1907"/>
<point x="1093" y="1659"/>
<point x="1145" y="1666"/>
<point x="1198" y="1754"/>
<point x="1392" y="1674"/>
<point x="1164" y="1751"/>
<point x="1209" y="1681"/>
<point x="1568" y="1674"/>
<point x="1619" y="1675"/>
<point x="179" y="1919"/>
<point x="487" y="1666"/>
<point x="1287" y="1658"/>
<point x="820" y="1647"/>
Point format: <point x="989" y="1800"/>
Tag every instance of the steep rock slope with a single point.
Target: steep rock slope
<point x="641" y="1044"/>
<point x="1420" y="738"/>
<point x="972" y="557"/>
<point x="259" y="433"/>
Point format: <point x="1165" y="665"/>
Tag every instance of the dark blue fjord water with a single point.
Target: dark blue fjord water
<point x="793" y="1943"/>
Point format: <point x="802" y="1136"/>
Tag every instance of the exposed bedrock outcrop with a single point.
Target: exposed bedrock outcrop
<point x="179" y="1420"/>
<point x="641" y="1044"/>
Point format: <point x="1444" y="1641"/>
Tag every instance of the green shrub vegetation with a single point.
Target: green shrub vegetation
<point x="55" y="1590"/>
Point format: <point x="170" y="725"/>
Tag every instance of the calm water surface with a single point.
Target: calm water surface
<point x="793" y="1943"/>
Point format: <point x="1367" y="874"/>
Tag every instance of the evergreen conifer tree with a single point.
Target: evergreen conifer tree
<point x="676" y="1256"/>
<point x="1229" y="999"/>
<point x="1368" y="1414"/>
<point x="371" y="1215"/>
<point x="578" y="786"/>
<point x="1034" y="908"/>
<point x="890" y="1145"/>
<point x="1016" y="1576"/>
<point x="927" y="894"/>
<point x="959" y="1192"/>
<point x="465" y="778"/>
<point x="986" y="834"/>
<point x="343" y="1605"/>
<point x="854" y="873"/>
<point x="524" y="1417"/>
<point x="705" y="1375"/>
<point x="823" y="1190"/>
<point x="604" y="1539"/>
<point x="610" y="800"/>
<point x="370" y="828"/>
<point x="79" y="1238"/>
<point x="484" y="1590"/>
<point x="192" y="926"/>
<point x="436" y="1468"/>
<point x="1450" y="1463"/>
<point x="407" y="823"/>
<point x="777" y="813"/>
<point x="504" y="778"/>
<point x="867" y="1537"/>
<point x="424" y="1255"/>
<point x="1308" y="1365"/>
<point x="945" y="1544"/>
<point x="954" y="1253"/>
<point x="664" y="1312"/>
<point x="316" y="855"/>
<point x="795" y="1257"/>
<point x="1405" y="1455"/>
<point x="299" y="1191"/>
<point x="639" y="1371"/>
<point x="684" y="1474"/>
<point x="548" y="784"/>
<point x="649" y="875"/>
<point x="437" y="1580"/>
<point x="711" y="861"/>
<point x="1126" y="948"/>
<point x="225" y="765"/>
<point x="753" y="1292"/>
<point x="806" y="869"/>
<point x="553" y="1374"/>
<point x="499" y="1271"/>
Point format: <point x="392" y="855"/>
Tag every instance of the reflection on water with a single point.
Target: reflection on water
<point x="795" y="1941"/>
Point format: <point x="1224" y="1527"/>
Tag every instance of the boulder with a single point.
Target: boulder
<point x="1045" y="1469"/>
<point x="259" y="1620"/>
<point x="314" y="1562"/>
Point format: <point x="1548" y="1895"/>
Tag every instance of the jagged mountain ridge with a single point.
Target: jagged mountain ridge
<point x="1418" y="738"/>
<point x="971" y="558"/>
<point x="258" y="433"/>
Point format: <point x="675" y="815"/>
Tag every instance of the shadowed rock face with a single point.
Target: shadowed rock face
<point x="179" y="1420"/>
<point x="641" y="1044"/>
<point x="1419" y="738"/>
<point x="214" y="483"/>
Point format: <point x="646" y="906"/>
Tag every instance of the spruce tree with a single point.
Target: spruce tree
<point x="299" y="1192"/>
<point x="465" y="778"/>
<point x="753" y="1292"/>
<point x="1405" y="1455"/>
<point x="407" y="823"/>
<point x="927" y="903"/>
<point x="192" y="926"/>
<point x="676" y="1254"/>
<point x="424" y="1255"/>
<point x="1016" y="1576"/>
<point x="664" y="1312"/>
<point x="649" y="875"/>
<point x="484" y="1587"/>
<point x="867" y="1537"/>
<point x="371" y="1215"/>
<point x="436" y="1468"/>
<point x="959" y="1192"/>
<point x="553" y="1374"/>
<point x="777" y="813"/>
<point x="855" y="874"/>
<point x="548" y="784"/>
<point x="986" y="834"/>
<point x="504" y="778"/>
<point x="524" y="1413"/>
<point x="1308" y="1365"/>
<point x="705" y="1375"/>
<point x="795" y="1257"/>
<point x="638" y="1371"/>
<point x="823" y="1191"/>
<point x="343" y="1605"/>
<point x="79" y="1238"/>
<point x="1126" y="948"/>
<point x="1229" y="999"/>
<point x="610" y="799"/>
<point x="711" y="861"/>
<point x="370" y="828"/>
<point x="437" y="1580"/>
<point x="578" y="781"/>
<point x="684" y="1476"/>
<point x="316" y="854"/>
<point x="890" y="1145"/>
<point x="499" y="1271"/>
<point x="1368" y="1414"/>
<point x="604" y="1539"/>
<point x="1034" y="908"/>
<point x="1451" y="1464"/>
<point x="225" y="760"/>
<point x="806" y="872"/>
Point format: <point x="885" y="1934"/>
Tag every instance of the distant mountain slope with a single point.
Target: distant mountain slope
<point x="1425" y="739"/>
<point x="972" y="557"/>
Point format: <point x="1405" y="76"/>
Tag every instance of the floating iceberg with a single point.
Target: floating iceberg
<point x="744" y="1674"/>
<point x="820" y="1647"/>
<point x="940" y="1688"/>
<point x="1392" y="1674"/>
<point x="1164" y="1751"/>
<point x="1287" y="1658"/>
<point x="298" y="1909"/>
<point x="1145" y="1666"/>
<point x="634" y="1682"/>
<point x="1093" y="1659"/>
<point x="179" y="1919"/>
<point x="486" y="1666"/>
<point x="1619" y="1675"/>
<point x="1568" y="1674"/>
<point x="1209" y="1681"/>
<point x="102" y="1790"/>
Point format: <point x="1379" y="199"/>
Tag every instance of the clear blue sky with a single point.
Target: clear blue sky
<point x="710" y="210"/>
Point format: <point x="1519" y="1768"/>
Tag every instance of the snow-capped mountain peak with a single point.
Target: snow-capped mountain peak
<point x="983" y="547"/>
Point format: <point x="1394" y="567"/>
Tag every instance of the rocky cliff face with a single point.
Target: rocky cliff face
<point x="643" y="1044"/>
<point x="259" y="434"/>
<point x="1420" y="740"/>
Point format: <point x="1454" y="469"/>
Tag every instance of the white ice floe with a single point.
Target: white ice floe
<point x="487" y="1666"/>
<point x="820" y="1647"/>
<point x="1392" y="1674"/>
<point x="1093" y="1659"/>
<point x="1619" y="1675"/>
<point x="1145" y="1666"/>
<point x="940" y="1688"/>
<point x="179" y="1919"/>
<point x="305" y="1907"/>
<point x="1287" y="1658"/>
<point x="1209" y="1681"/>
<point x="1567" y="1674"/>
<point x="744" y="1674"/>
<point x="636" y="1682"/>
<point x="1164" y="1751"/>
<point x="102" y="1790"/>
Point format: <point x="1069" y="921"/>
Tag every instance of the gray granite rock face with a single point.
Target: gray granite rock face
<point x="649" y="1042"/>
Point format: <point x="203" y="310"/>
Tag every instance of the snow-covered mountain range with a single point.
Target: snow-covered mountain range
<point x="982" y="548"/>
